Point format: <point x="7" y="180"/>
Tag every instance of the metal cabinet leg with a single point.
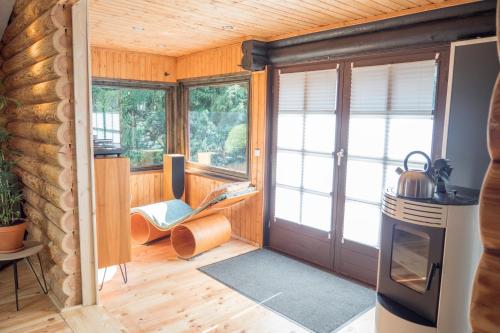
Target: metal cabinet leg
<point x="16" y="284"/>
<point x="103" y="278"/>
<point x="124" y="276"/>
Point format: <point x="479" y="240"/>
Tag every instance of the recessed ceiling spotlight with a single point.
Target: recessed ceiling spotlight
<point x="227" y="27"/>
<point x="162" y="45"/>
<point x="137" y="28"/>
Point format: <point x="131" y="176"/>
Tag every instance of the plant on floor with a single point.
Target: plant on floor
<point x="12" y="227"/>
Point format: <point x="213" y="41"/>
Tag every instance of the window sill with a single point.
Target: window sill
<point x="214" y="174"/>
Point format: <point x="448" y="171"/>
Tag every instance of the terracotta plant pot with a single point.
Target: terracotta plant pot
<point x="11" y="237"/>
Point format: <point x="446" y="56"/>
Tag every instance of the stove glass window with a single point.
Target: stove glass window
<point x="410" y="257"/>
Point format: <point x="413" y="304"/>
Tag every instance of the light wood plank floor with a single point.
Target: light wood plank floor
<point x="163" y="294"/>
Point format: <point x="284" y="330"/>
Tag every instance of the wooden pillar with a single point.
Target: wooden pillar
<point x="485" y="304"/>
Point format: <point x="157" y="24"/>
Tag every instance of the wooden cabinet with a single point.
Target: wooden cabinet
<point x="112" y="192"/>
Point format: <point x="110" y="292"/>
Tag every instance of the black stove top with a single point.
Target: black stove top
<point x="455" y="196"/>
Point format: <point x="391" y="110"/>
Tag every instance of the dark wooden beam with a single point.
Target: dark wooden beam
<point x="426" y="28"/>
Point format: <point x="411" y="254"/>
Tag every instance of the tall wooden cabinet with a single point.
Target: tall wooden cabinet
<point x="112" y="191"/>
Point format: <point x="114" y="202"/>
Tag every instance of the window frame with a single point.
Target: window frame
<point x="207" y="170"/>
<point x="170" y="90"/>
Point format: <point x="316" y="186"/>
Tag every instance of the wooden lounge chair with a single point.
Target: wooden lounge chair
<point x="192" y="231"/>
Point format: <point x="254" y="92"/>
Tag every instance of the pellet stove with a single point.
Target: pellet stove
<point x="428" y="253"/>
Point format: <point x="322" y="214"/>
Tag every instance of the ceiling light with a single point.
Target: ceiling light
<point x="227" y="27"/>
<point x="137" y="28"/>
<point x="162" y="45"/>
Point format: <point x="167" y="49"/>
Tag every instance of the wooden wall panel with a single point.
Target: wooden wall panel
<point x="146" y="187"/>
<point x="126" y="65"/>
<point x="217" y="61"/>
<point x="37" y="68"/>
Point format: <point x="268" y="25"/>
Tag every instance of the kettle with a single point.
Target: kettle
<point x="416" y="183"/>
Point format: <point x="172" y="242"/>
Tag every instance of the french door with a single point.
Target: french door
<point x="339" y="131"/>
<point x="305" y="176"/>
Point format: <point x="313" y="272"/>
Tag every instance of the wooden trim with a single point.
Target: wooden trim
<point x="214" y="174"/>
<point x="84" y="153"/>
<point x="216" y="79"/>
<point x="138" y="84"/>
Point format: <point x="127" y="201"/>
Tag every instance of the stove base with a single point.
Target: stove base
<point x="387" y="322"/>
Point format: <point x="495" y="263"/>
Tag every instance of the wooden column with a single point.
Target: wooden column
<point x="485" y="305"/>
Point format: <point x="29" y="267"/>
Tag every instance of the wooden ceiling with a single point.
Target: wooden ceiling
<point x="179" y="27"/>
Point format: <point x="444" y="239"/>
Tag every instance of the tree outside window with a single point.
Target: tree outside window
<point x="218" y="125"/>
<point x="133" y="117"/>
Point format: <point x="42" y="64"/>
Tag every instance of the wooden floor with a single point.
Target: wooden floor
<point x="163" y="294"/>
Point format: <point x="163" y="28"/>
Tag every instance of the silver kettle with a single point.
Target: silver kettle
<point x="416" y="183"/>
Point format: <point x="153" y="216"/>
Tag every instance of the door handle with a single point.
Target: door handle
<point x="430" y="275"/>
<point x="340" y="156"/>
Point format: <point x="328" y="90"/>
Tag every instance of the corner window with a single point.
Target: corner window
<point x="133" y="118"/>
<point x="218" y="126"/>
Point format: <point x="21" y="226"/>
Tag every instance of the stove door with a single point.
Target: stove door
<point x="410" y="266"/>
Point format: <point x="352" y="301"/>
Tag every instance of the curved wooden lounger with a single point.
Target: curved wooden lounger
<point x="145" y="231"/>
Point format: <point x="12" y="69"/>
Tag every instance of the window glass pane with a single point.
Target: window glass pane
<point x="134" y="118"/>
<point x="290" y="128"/>
<point x="287" y="204"/>
<point x="291" y="97"/>
<point x="320" y="133"/>
<point x="410" y="258"/>
<point x="321" y="90"/>
<point x="317" y="211"/>
<point x="288" y="168"/>
<point x="367" y="136"/>
<point x="407" y="134"/>
<point x="364" y="180"/>
<point x="218" y="125"/>
<point x="362" y="222"/>
<point x="318" y="173"/>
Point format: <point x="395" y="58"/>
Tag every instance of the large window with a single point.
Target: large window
<point x="218" y="126"/>
<point x="134" y="118"/>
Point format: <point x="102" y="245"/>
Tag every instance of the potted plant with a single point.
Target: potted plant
<point x="12" y="226"/>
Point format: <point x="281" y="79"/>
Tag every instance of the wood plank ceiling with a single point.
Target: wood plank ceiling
<point x="179" y="27"/>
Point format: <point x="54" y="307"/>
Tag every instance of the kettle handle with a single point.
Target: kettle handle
<point x="428" y="166"/>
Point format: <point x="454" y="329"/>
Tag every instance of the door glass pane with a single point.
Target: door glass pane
<point x="367" y="136"/>
<point x="407" y="134"/>
<point x="364" y="180"/>
<point x="288" y="168"/>
<point x="318" y="173"/>
<point x="320" y="133"/>
<point x="290" y="128"/>
<point x="305" y="146"/>
<point x="362" y="222"/>
<point x="316" y="211"/>
<point x="287" y="204"/>
<point x="410" y="257"/>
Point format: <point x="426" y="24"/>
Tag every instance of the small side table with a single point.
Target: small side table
<point x="31" y="248"/>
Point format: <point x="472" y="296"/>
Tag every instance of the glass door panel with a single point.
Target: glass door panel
<point x="391" y="114"/>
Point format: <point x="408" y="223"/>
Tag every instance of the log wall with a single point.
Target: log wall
<point x="37" y="65"/>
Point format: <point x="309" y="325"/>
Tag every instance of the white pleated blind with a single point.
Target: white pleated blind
<point x="306" y="141"/>
<point x="406" y="88"/>
<point x="308" y="91"/>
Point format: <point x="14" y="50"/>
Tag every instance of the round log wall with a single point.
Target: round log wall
<point x="485" y="305"/>
<point x="35" y="67"/>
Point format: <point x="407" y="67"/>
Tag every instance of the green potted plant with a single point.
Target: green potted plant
<point x="12" y="226"/>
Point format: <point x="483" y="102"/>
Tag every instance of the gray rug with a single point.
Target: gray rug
<point x="317" y="300"/>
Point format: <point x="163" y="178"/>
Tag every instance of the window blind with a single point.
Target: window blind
<point x="305" y="146"/>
